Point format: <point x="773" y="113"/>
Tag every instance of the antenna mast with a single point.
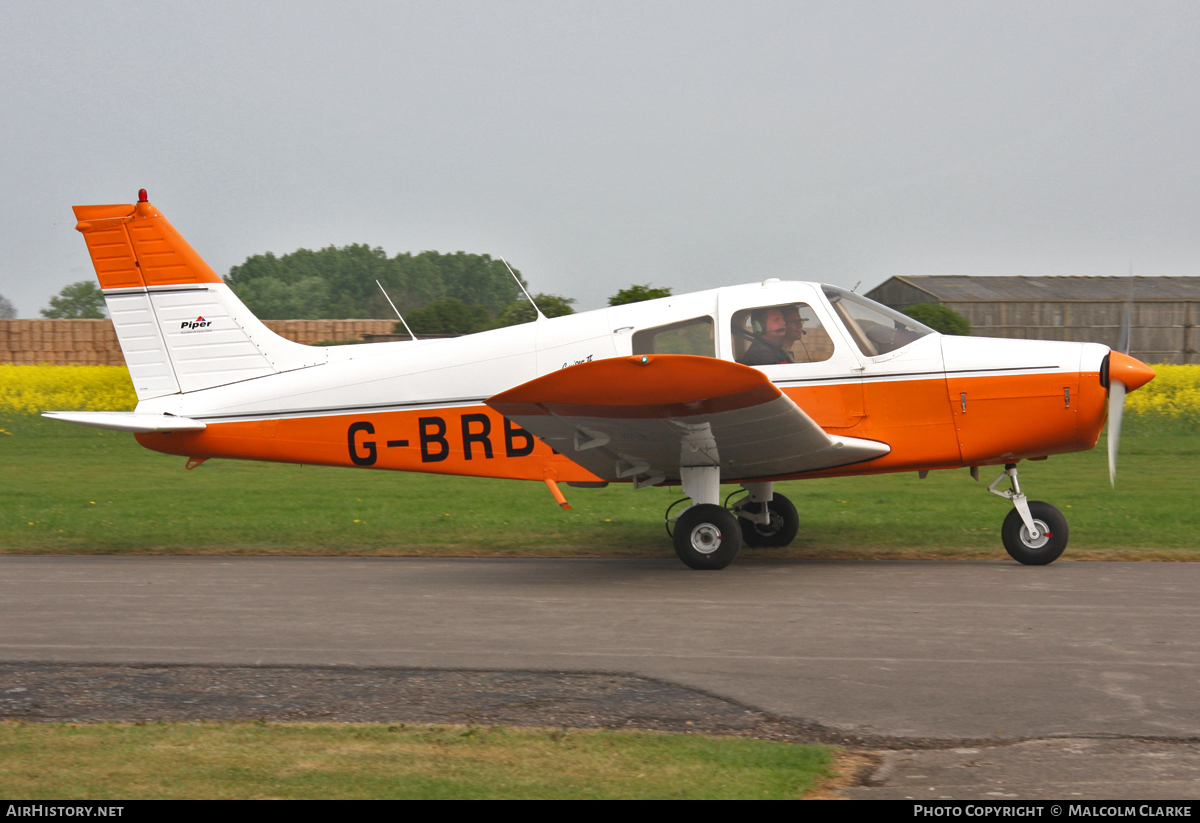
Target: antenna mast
<point x="396" y="310"/>
<point x="540" y="316"/>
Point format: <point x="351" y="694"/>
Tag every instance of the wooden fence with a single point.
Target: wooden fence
<point x="94" y="343"/>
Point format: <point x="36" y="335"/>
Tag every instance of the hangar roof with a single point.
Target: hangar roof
<point x="953" y="288"/>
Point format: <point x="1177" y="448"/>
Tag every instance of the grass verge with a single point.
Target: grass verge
<point x="114" y="761"/>
<point x="70" y="489"/>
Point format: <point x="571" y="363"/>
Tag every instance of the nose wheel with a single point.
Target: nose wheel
<point x="1050" y="539"/>
<point x="1034" y="532"/>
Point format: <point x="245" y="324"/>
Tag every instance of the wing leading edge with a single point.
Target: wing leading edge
<point x="644" y="417"/>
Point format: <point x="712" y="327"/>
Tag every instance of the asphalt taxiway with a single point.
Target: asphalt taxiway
<point x="970" y="653"/>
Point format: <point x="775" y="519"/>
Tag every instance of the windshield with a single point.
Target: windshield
<point x="874" y="327"/>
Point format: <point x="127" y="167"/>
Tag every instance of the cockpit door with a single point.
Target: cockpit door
<point x="826" y="382"/>
<point x="904" y="377"/>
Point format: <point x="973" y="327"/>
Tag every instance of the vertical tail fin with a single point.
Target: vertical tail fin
<point x="180" y="327"/>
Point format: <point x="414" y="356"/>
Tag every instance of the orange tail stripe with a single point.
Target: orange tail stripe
<point x="134" y="245"/>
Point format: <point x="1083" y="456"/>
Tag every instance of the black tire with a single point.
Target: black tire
<point x="785" y="523"/>
<point x="707" y="537"/>
<point x="1040" y="552"/>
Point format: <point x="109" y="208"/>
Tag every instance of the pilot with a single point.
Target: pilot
<point x="768" y="347"/>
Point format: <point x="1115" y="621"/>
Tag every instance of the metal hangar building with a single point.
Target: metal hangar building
<point x="1164" y="311"/>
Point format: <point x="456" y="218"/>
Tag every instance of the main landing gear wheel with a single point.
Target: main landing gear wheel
<point x="1051" y="541"/>
<point x="785" y="523"/>
<point x="707" y="537"/>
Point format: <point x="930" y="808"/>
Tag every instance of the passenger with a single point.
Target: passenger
<point x="792" y="344"/>
<point x="767" y="348"/>
<point x="806" y="340"/>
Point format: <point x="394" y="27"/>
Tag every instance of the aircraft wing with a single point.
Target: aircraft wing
<point x="643" y="417"/>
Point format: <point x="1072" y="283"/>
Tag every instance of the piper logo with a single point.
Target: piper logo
<point x="195" y="325"/>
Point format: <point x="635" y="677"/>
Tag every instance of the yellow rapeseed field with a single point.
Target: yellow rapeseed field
<point x="31" y="389"/>
<point x="1175" y="392"/>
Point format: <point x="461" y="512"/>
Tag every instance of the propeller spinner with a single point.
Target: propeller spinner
<point x="1122" y="375"/>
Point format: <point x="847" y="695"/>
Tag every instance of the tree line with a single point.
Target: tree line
<point x="457" y="293"/>
<point x="341" y="283"/>
<point x="437" y="293"/>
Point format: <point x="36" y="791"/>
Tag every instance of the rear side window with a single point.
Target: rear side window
<point x="693" y="336"/>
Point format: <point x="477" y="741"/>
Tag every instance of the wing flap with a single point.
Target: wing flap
<point x="647" y="416"/>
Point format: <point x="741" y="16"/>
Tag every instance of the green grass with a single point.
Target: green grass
<point x="70" y="489"/>
<point x="265" y="760"/>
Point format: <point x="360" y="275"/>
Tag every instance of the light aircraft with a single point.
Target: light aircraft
<point x="744" y="385"/>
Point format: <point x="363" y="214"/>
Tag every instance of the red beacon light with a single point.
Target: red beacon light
<point x="142" y="196"/>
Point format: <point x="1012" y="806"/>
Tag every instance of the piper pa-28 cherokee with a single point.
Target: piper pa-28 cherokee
<point x="747" y="384"/>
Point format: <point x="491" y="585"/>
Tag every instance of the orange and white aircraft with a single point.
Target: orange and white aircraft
<point x="748" y="384"/>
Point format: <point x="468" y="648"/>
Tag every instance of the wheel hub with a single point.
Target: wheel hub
<point x="1043" y="538"/>
<point x="706" y="538"/>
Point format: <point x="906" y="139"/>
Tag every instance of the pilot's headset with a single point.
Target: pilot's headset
<point x="758" y="321"/>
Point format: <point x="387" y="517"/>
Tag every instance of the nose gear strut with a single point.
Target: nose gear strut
<point x="1018" y="498"/>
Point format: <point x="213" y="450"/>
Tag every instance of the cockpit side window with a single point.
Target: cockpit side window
<point x="874" y="327"/>
<point x="785" y="333"/>
<point x="693" y="336"/>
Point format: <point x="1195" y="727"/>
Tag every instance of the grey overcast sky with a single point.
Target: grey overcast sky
<point x="595" y="145"/>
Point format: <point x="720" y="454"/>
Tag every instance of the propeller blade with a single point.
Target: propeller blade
<point x="1116" y="410"/>
<point x="1126" y="322"/>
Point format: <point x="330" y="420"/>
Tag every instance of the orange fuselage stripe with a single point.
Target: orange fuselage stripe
<point x="1007" y="418"/>
<point x="473" y="441"/>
